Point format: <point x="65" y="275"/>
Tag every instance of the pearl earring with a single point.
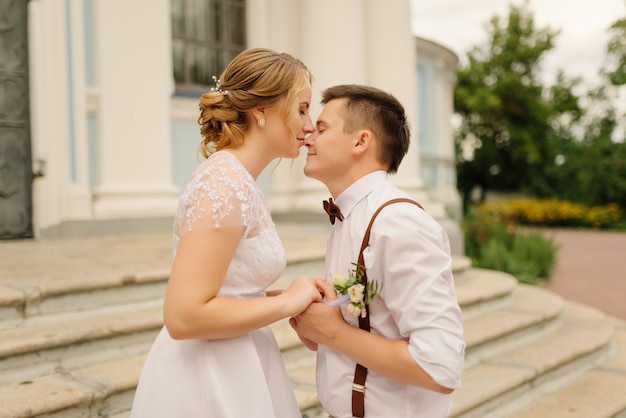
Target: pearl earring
<point x="261" y="123"/>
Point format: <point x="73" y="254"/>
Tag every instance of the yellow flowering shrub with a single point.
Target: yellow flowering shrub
<point x="552" y="212"/>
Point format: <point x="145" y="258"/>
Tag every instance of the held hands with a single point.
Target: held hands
<point x="319" y="323"/>
<point x="300" y="294"/>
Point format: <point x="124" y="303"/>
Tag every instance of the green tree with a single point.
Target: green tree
<point x="506" y="115"/>
<point x="616" y="53"/>
<point x="544" y="141"/>
<point x="593" y="165"/>
<point x="560" y="139"/>
<point x="592" y="169"/>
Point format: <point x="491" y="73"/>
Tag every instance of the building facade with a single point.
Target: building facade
<point x="436" y="75"/>
<point x="107" y="114"/>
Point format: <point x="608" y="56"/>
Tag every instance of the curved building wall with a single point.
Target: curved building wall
<point x="436" y="75"/>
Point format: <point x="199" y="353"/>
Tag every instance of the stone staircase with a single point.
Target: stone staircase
<point x="76" y="324"/>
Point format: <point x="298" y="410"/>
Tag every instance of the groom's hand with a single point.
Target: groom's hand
<point x="320" y="323"/>
<point x="326" y="289"/>
<point x="311" y="345"/>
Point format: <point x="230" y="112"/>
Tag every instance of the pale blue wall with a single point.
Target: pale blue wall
<point x="92" y="149"/>
<point x="184" y="145"/>
<point x="427" y="105"/>
<point x="185" y="157"/>
<point x="427" y="116"/>
<point x="90" y="79"/>
<point x="90" y="42"/>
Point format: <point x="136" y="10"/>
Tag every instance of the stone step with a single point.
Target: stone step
<point x="132" y="270"/>
<point x="68" y="268"/>
<point x="480" y="291"/>
<point x="106" y="385"/>
<point x="500" y="384"/>
<point x="579" y="347"/>
<point x="107" y="388"/>
<point x="75" y="328"/>
<point x="46" y="342"/>
<point x="93" y="356"/>
<point x="76" y="339"/>
<point x="71" y="275"/>
<point x="39" y="356"/>
<point x="530" y="313"/>
<point x="27" y="302"/>
<point x="600" y="393"/>
<point x="41" y="348"/>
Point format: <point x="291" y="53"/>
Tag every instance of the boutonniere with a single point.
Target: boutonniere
<point x="354" y="291"/>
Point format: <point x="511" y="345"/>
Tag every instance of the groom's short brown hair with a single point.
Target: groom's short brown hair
<point x="370" y="108"/>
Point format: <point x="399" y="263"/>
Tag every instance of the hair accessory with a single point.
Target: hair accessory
<point x="261" y="123"/>
<point x="217" y="87"/>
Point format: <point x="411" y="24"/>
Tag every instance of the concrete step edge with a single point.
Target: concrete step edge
<point x="87" y="387"/>
<point x="25" y="294"/>
<point x="52" y="332"/>
<point x="495" y="386"/>
<point x="61" y="330"/>
<point x="530" y="314"/>
<point x="43" y="347"/>
<point x="43" y="336"/>
<point x="20" y="301"/>
<point x="600" y="393"/>
<point x="481" y="291"/>
<point x="117" y="381"/>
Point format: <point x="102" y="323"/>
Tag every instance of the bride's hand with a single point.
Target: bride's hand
<point x="300" y="294"/>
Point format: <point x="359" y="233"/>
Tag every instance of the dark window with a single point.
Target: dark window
<point x="206" y="34"/>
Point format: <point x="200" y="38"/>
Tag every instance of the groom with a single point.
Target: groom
<point x="412" y="356"/>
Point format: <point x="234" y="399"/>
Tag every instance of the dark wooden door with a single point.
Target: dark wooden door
<point x="16" y="173"/>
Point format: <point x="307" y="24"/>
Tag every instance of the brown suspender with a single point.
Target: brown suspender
<point x="360" y="372"/>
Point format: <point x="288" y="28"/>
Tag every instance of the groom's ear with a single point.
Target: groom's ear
<point x="363" y="142"/>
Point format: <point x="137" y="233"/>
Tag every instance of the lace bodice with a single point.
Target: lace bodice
<point x="222" y="193"/>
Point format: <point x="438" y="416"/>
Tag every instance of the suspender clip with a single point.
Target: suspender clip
<point x="358" y="388"/>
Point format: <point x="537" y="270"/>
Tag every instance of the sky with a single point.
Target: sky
<point x="580" y="47"/>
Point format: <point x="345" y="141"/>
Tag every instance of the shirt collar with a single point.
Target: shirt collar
<point x="348" y="199"/>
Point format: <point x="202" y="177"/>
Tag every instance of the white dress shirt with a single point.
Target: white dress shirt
<point x="409" y="255"/>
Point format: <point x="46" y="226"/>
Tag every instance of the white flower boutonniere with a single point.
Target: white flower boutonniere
<point x="354" y="291"/>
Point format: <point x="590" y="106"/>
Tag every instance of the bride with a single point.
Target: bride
<point x="216" y="356"/>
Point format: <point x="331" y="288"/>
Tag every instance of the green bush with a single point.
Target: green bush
<point x="494" y="242"/>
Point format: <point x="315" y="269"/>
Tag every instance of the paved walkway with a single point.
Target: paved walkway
<point x="591" y="269"/>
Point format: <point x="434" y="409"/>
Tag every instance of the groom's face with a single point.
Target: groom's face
<point x="329" y="148"/>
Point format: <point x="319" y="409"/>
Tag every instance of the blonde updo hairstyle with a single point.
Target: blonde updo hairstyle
<point x="255" y="78"/>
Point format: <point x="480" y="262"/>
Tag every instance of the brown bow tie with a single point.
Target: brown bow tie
<point x="332" y="210"/>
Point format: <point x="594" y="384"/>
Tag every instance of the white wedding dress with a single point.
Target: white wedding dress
<point x="241" y="377"/>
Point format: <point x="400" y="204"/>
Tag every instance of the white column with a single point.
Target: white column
<point x="78" y="204"/>
<point x="49" y="110"/>
<point x="258" y="23"/>
<point x="134" y="78"/>
<point x="271" y="25"/>
<point x="333" y="60"/>
<point x="391" y="64"/>
<point x="447" y="193"/>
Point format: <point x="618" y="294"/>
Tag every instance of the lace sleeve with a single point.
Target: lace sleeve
<point x="219" y="194"/>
